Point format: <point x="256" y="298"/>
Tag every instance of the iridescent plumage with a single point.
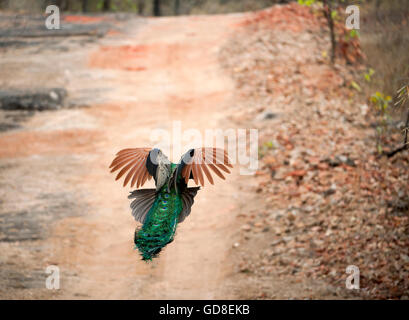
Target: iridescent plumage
<point x="161" y="209"/>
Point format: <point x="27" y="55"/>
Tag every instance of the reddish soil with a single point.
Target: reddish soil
<point x="55" y="178"/>
<point x="83" y="19"/>
<point x="291" y="17"/>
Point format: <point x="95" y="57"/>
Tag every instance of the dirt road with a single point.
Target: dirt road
<point x="59" y="203"/>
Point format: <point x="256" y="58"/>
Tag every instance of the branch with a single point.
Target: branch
<point x="390" y="154"/>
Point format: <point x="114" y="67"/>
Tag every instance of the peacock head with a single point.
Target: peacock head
<point x="158" y="158"/>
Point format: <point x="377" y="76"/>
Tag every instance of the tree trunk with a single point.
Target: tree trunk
<point x="106" y="5"/>
<point x="84" y="5"/>
<point x="377" y="6"/>
<point x="141" y="7"/>
<point x="330" y="20"/>
<point x="62" y="4"/>
<point x="156" y="8"/>
<point x="177" y="7"/>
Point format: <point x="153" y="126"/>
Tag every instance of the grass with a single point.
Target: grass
<point x="385" y="42"/>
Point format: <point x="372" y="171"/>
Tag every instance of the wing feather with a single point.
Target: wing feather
<point x="120" y="161"/>
<point x="143" y="178"/>
<point x="126" y="168"/>
<point x="135" y="176"/>
<point x="131" y="172"/>
<point x="195" y="173"/>
<point x="216" y="171"/>
<point x="199" y="156"/>
<point x="133" y="162"/>
<point x="221" y="166"/>
<point x="187" y="171"/>
<point x="207" y="173"/>
<point x="126" y="151"/>
<point x="204" y="158"/>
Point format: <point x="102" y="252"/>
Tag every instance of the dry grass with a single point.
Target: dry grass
<point x="385" y="42"/>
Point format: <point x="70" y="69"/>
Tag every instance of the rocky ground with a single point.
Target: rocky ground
<point x="326" y="200"/>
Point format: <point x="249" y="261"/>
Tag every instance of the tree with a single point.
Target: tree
<point x="328" y="15"/>
<point x="156" y="8"/>
<point x="3" y="4"/>
<point x="63" y="5"/>
<point x="84" y="5"/>
<point x="106" y="5"/>
<point x="176" y="7"/>
<point x="141" y="6"/>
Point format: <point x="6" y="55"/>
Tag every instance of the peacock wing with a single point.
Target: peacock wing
<point x="199" y="163"/>
<point x="144" y="199"/>
<point x="139" y="165"/>
<point x="187" y="201"/>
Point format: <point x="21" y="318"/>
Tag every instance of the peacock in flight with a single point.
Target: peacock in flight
<point x="161" y="209"/>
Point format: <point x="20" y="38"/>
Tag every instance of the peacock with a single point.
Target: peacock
<point x="160" y="210"/>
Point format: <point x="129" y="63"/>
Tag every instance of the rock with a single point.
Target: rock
<point x="42" y="99"/>
<point x="338" y="160"/>
<point x="346" y="160"/>
<point x="266" y="115"/>
<point x="276" y="242"/>
<point x="364" y="109"/>
<point x="404" y="257"/>
<point x="297" y="173"/>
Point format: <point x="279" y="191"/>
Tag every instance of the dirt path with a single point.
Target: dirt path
<point x="55" y="186"/>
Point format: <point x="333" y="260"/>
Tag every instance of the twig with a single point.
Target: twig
<point x="390" y="154"/>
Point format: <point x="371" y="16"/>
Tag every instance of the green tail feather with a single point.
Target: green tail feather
<point x="160" y="225"/>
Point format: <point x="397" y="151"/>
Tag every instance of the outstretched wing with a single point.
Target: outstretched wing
<point x="139" y="163"/>
<point x="188" y="196"/>
<point x="197" y="163"/>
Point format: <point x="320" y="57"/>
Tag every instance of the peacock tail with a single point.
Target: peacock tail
<point x="160" y="224"/>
